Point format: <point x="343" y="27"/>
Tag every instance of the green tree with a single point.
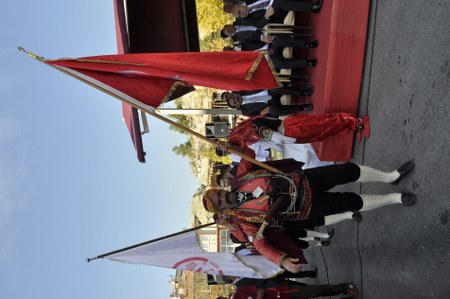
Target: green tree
<point x="181" y="119"/>
<point x="184" y="149"/>
<point x="211" y="17"/>
<point x="210" y="154"/>
<point x="211" y="20"/>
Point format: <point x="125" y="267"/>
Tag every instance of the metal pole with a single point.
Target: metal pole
<point x="148" y="242"/>
<point x="172" y="111"/>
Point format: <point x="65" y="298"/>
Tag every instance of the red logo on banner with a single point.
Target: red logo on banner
<point x="198" y="264"/>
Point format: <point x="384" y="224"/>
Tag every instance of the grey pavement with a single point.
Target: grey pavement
<point x="397" y="251"/>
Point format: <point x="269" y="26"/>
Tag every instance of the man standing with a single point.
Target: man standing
<point x="249" y="38"/>
<point x="262" y="11"/>
<point x="262" y="103"/>
<point x="286" y="289"/>
<point x="304" y="195"/>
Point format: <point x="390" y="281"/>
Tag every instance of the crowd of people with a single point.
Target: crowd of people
<point x="274" y="214"/>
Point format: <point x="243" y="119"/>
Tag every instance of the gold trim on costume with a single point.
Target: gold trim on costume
<point x="172" y="90"/>
<point x="101" y="61"/>
<point x="254" y="66"/>
<point x="251" y="219"/>
<point x="272" y="69"/>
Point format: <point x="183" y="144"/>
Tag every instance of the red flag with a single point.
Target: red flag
<point x="152" y="78"/>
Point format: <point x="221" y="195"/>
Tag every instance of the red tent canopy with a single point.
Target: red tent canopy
<point x="138" y="26"/>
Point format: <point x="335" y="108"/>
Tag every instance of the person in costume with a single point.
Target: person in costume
<point x="298" y="128"/>
<point x="304" y="195"/>
<point x="282" y="289"/>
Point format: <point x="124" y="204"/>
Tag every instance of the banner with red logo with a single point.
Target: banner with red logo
<point x="183" y="252"/>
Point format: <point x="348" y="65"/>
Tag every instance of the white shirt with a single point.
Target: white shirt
<point x="252" y="7"/>
<point x="261" y="149"/>
<point x="241" y="28"/>
<point x="260" y="97"/>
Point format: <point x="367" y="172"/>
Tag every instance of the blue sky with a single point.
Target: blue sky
<point x="70" y="184"/>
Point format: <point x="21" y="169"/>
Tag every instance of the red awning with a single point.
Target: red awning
<point x="130" y="114"/>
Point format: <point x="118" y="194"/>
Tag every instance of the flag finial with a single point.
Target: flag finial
<point x="32" y="55"/>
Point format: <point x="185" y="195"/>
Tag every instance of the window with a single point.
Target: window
<point x="226" y="245"/>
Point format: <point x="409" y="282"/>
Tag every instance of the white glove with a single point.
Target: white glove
<point x="281" y="139"/>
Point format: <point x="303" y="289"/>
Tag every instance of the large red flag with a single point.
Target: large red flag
<point x="153" y="78"/>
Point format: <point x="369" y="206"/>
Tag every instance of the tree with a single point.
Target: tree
<point x="181" y="119"/>
<point x="211" y="20"/>
<point x="184" y="149"/>
<point x="210" y="154"/>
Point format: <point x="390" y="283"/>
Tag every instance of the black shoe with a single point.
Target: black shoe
<point x="357" y="216"/>
<point x="315" y="272"/>
<point x="313" y="44"/>
<point x="308" y="92"/>
<point x="325" y="243"/>
<point x="331" y="233"/>
<point x="409" y="199"/>
<point x="311" y="62"/>
<point x="404" y="170"/>
<point x="317" y="6"/>
<point x="307" y="107"/>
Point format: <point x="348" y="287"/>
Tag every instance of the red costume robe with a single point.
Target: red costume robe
<point x="281" y="291"/>
<point x="248" y="217"/>
<point x="305" y="128"/>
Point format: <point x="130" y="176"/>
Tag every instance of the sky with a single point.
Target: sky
<point x="70" y="183"/>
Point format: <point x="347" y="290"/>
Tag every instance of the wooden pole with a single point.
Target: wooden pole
<point x="149" y="110"/>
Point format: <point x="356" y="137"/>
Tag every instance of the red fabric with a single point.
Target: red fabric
<point x="285" y="243"/>
<point x="282" y="244"/>
<point x="310" y="128"/>
<point x="341" y="28"/>
<point x="149" y="77"/>
<point x="245" y="292"/>
<point x="262" y="246"/>
<point x="244" y="134"/>
<point x="305" y="128"/>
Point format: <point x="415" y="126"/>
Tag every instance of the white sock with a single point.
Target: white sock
<point x="314" y="243"/>
<point x="333" y="219"/>
<point x="369" y="174"/>
<point x="312" y="233"/>
<point x="307" y="239"/>
<point x="371" y="202"/>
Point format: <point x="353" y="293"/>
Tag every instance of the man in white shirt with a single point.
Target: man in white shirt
<point x="251" y="38"/>
<point x="273" y="10"/>
<point x="262" y="103"/>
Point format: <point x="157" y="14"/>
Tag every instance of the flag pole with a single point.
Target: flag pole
<point x="148" y="242"/>
<point x="152" y="113"/>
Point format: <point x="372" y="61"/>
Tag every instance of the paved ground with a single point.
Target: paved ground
<point x="402" y="252"/>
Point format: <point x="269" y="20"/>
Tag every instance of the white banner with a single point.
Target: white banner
<point x="182" y="252"/>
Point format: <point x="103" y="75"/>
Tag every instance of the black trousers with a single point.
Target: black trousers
<point x="291" y="227"/>
<point x="276" y="52"/>
<point x="302" y="290"/>
<point x="301" y="274"/>
<point x="282" y="7"/>
<point x="322" y="179"/>
<point x="278" y="109"/>
<point x="286" y="90"/>
<point x="313" y="291"/>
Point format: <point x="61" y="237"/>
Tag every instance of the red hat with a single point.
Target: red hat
<point x="208" y="204"/>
